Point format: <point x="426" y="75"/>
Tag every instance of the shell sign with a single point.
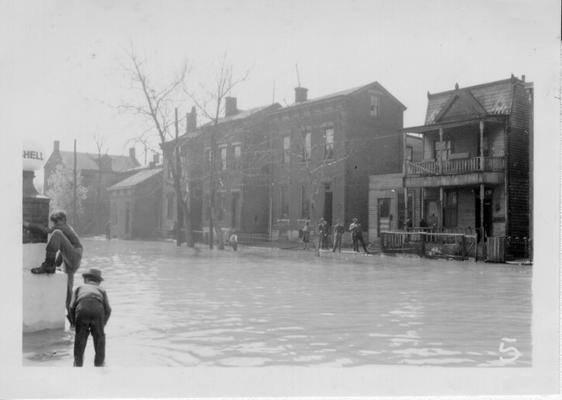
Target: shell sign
<point x="33" y="156"/>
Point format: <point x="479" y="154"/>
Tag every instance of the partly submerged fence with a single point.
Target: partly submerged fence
<point x="431" y="244"/>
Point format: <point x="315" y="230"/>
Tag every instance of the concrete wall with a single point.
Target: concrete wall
<point x="44" y="295"/>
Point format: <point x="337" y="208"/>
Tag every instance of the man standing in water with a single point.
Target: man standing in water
<point x="357" y="235"/>
<point x="339" y="229"/>
<point x="63" y="245"/>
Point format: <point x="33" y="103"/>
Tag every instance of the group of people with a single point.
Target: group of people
<point x="324" y="231"/>
<point x="87" y="306"/>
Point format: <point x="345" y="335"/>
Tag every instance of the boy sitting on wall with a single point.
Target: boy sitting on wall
<point x="63" y="245"/>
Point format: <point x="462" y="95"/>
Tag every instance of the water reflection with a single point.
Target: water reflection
<point x="178" y="307"/>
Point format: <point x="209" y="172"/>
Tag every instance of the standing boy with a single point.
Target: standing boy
<point x="338" y="233"/>
<point x="89" y="313"/>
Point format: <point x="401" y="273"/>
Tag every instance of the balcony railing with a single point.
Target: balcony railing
<point x="455" y="167"/>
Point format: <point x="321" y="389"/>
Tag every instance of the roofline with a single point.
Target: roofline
<point x="512" y="79"/>
<point x="335" y="96"/>
<point x="261" y="109"/>
<point x="112" y="187"/>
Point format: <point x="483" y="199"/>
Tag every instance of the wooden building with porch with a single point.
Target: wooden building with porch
<point x="474" y="175"/>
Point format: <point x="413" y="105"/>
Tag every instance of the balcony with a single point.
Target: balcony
<point x="455" y="172"/>
<point x="455" y="167"/>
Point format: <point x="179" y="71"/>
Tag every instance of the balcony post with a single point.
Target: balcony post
<point x="441" y="196"/>
<point x="440" y="164"/>
<point x="404" y="163"/>
<point x="482" y="212"/>
<point x="482" y="145"/>
<point x="406" y="209"/>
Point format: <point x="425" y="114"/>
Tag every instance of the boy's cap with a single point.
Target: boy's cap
<point x="93" y="273"/>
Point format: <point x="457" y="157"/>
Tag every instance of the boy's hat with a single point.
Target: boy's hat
<point x="93" y="273"/>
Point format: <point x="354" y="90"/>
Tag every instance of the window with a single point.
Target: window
<point x="286" y="149"/>
<point x="223" y="157"/>
<point x="329" y="143"/>
<point x="236" y="153"/>
<point x="450" y="209"/>
<point x="284" y="201"/>
<point x="375" y="105"/>
<point x="307" y="148"/>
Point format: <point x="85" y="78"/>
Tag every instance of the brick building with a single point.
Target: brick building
<point x="97" y="175"/>
<point x="240" y="144"/>
<point x="475" y="171"/>
<point x="324" y="150"/>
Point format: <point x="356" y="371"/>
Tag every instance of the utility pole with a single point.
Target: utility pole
<point x="179" y="211"/>
<point x="74" y="214"/>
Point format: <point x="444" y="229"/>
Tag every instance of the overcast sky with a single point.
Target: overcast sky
<point x="62" y="62"/>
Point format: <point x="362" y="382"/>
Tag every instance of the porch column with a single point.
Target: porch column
<point x="406" y="209"/>
<point x="440" y="209"/>
<point x="422" y="203"/>
<point x="404" y="165"/>
<point x="441" y="149"/>
<point x="482" y="211"/>
<point x="482" y="145"/>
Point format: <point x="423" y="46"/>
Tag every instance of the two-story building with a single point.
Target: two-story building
<point x="98" y="173"/>
<point x="324" y="150"/>
<point x="474" y="175"/>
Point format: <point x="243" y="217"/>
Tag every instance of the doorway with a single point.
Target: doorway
<point x="488" y="193"/>
<point x="235" y="221"/>
<point x="384" y="218"/>
<point x="328" y="204"/>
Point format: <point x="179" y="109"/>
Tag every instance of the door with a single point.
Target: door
<point x="328" y="207"/>
<point x="235" y="221"/>
<point x="487" y="212"/>
<point x="383" y="219"/>
<point x="432" y="213"/>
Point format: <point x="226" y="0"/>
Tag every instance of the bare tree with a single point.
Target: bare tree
<point x="317" y="161"/>
<point x="99" y="140"/>
<point x="159" y="107"/>
<point x="211" y="108"/>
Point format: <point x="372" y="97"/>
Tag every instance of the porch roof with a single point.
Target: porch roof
<point x="451" y="124"/>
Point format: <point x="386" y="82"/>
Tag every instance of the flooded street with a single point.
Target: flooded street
<point x="263" y="307"/>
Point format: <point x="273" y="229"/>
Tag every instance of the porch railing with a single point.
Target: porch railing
<point x="430" y="244"/>
<point x="455" y="166"/>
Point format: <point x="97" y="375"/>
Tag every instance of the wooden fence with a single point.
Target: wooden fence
<point x="431" y="244"/>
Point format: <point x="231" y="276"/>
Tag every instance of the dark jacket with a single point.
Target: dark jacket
<point x="88" y="292"/>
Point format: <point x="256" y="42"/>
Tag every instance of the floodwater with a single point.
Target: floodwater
<point x="273" y="307"/>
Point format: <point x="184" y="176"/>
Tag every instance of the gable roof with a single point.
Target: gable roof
<point x="344" y="93"/>
<point x="492" y="98"/>
<point x="89" y="161"/>
<point x="135" y="179"/>
<point x="243" y="114"/>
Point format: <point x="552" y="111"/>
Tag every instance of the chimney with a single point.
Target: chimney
<point x="156" y="158"/>
<point x="56" y="146"/>
<point x="300" y="94"/>
<point x="230" y="106"/>
<point x="191" y="121"/>
<point x="523" y="78"/>
<point x="132" y="153"/>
